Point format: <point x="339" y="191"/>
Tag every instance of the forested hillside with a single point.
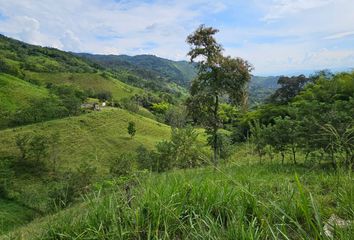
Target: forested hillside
<point x="148" y="66"/>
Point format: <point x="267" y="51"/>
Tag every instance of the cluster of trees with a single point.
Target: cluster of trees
<point x="316" y="117"/>
<point x="39" y="154"/>
<point x="183" y="150"/>
<point x="26" y="57"/>
<point x="63" y="101"/>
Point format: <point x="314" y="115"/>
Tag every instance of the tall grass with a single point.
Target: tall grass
<point x="248" y="202"/>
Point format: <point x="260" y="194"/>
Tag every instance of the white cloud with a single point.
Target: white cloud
<point x="284" y="8"/>
<point x="277" y="35"/>
<point x="70" y="41"/>
<point x="340" y="35"/>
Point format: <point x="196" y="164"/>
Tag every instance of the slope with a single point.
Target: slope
<point x="233" y="202"/>
<point x="149" y="67"/>
<point x="92" y="140"/>
<point x="96" y="137"/>
<point x="44" y="66"/>
<point x="16" y="94"/>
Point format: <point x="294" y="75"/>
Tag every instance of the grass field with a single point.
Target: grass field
<point x="88" y="81"/>
<point x="16" y="94"/>
<point x="13" y="215"/>
<point x="94" y="138"/>
<point x="247" y="201"/>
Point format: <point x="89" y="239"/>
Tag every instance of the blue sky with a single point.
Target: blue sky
<point x="276" y="36"/>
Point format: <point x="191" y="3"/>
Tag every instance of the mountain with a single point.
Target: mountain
<point x="261" y="88"/>
<point x="29" y="73"/>
<point x="162" y="72"/>
<point x="147" y="66"/>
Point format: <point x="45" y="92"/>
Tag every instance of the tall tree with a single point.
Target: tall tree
<point x="218" y="77"/>
<point x="289" y="88"/>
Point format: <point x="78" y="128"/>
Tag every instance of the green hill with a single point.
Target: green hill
<point x="30" y="73"/>
<point x="16" y="94"/>
<point x="148" y="66"/>
<point x="42" y="66"/>
<point x="94" y="139"/>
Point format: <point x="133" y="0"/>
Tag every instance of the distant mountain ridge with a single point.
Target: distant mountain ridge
<point x="147" y="66"/>
<point x="179" y="72"/>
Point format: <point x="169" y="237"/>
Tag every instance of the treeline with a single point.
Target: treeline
<point x="314" y="116"/>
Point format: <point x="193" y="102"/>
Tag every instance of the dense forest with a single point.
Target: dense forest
<point x="141" y="147"/>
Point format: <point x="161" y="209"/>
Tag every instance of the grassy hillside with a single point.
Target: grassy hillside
<point x="148" y="66"/>
<point x="39" y="65"/>
<point x="235" y="202"/>
<point x="17" y="56"/>
<point x="95" y="137"/>
<point x="29" y="73"/>
<point x="261" y="88"/>
<point x="13" y="215"/>
<point x="16" y="93"/>
<point x="89" y="82"/>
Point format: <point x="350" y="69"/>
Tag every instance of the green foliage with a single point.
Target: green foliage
<point x="122" y="165"/>
<point x="144" y="159"/>
<point x="129" y="105"/>
<point x="131" y="129"/>
<point x="160" y="108"/>
<point x="217" y="76"/>
<point x="258" y="138"/>
<point x="182" y="151"/>
<point x="39" y="111"/>
<point x="185" y="148"/>
<point x="38" y="59"/>
<point x="148" y="67"/>
<point x="237" y="202"/>
<point x="33" y="148"/>
<point x="176" y="116"/>
<point x="289" y="88"/>
<point x="7" y="67"/>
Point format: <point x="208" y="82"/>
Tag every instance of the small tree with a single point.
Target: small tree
<point x="144" y="158"/>
<point x="39" y="147"/>
<point x="283" y="135"/>
<point x="22" y="143"/>
<point x="258" y="138"/>
<point x="131" y="129"/>
<point x="122" y="165"/>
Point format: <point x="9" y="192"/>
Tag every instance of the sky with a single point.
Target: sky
<point x="275" y="36"/>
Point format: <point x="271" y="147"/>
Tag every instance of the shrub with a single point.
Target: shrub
<point x="131" y="129"/>
<point x="144" y="158"/>
<point x="122" y="165"/>
<point x="129" y="105"/>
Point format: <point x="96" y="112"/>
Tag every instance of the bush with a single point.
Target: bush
<point x="144" y="158"/>
<point x="60" y="195"/>
<point x="129" y="105"/>
<point x="122" y="165"/>
<point x="182" y="151"/>
<point x="33" y="148"/>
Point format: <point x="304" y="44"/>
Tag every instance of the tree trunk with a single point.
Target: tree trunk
<point x="306" y="156"/>
<point x="294" y="154"/>
<point x="215" y="130"/>
<point x="282" y="158"/>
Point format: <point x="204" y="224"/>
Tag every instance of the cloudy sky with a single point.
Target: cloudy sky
<point x="276" y="36"/>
